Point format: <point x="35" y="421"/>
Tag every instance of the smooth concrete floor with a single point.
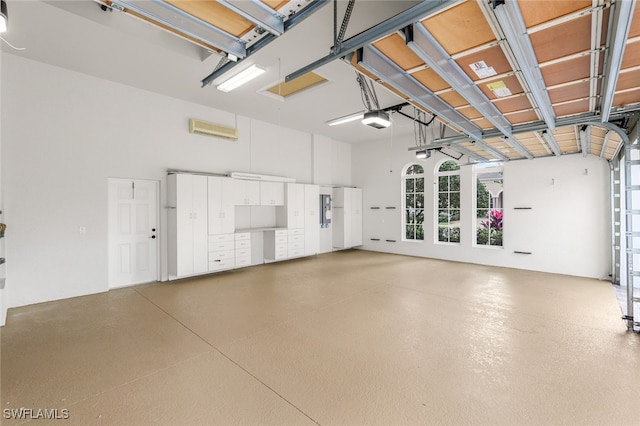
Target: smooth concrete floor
<point x="349" y="338"/>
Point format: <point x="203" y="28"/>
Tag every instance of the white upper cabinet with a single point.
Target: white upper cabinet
<point x="271" y="193"/>
<point x="247" y="192"/>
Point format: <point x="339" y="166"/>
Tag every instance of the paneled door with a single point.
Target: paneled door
<point x="133" y="232"/>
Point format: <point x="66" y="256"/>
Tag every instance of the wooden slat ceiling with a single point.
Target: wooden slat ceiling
<point x="569" y="41"/>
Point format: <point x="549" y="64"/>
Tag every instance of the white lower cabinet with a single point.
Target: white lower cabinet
<point x="222" y="252"/>
<point x="275" y="244"/>
<point x="295" y="242"/>
<point x="243" y="249"/>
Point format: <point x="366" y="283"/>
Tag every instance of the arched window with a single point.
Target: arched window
<point x="413" y="189"/>
<point x="448" y="202"/>
<point x="488" y="204"/>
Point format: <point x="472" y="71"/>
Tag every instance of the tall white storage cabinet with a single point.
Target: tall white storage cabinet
<point x="187" y="223"/>
<point x="221" y="200"/>
<point x="347" y="217"/>
<point x="311" y="219"/>
<point x="295" y="205"/>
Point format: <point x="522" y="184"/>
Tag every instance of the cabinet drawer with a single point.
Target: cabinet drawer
<point x="292" y="246"/>
<point x="220" y="237"/>
<point x="243" y="236"/>
<point x="221" y="245"/>
<point x="243" y="252"/>
<point x="243" y="261"/>
<point x="243" y="244"/>
<point x="281" y="255"/>
<point x="281" y="240"/>
<point x="218" y="265"/>
<point x="219" y="255"/>
<point x="280" y="232"/>
<point x="296" y="253"/>
<point x="295" y="239"/>
<point x="295" y="231"/>
<point x="281" y="247"/>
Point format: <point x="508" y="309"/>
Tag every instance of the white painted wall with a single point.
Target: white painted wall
<point x="3" y="251"/>
<point x="567" y="229"/>
<point x="64" y="133"/>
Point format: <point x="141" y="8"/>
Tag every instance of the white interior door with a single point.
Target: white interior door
<point x="133" y="232"/>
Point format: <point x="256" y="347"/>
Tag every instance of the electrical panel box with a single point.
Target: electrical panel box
<point x="325" y="210"/>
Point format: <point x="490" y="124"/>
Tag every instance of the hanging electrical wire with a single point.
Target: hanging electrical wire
<point x="368" y="93"/>
<point x="420" y="128"/>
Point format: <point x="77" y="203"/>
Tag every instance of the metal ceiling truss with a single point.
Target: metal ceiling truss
<point x="300" y="16"/>
<point x="383" y="68"/>
<point x="605" y="142"/>
<point x="585" y="139"/>
<point x="401" y="20"/>
<point x="180" y="21"/>
<point x="512" y="25"/>
<point x="620" y="23"/>
<point x="423" y="44"/>
<point x="258" y="13"/>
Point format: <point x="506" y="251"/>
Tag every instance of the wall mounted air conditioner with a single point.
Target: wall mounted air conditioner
<point x="200" y="127"/>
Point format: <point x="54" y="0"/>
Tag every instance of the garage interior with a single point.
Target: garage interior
<point x="540" y="330"/>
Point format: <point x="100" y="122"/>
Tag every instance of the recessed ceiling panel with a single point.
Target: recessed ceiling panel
<point x="535" y="12"/>
<point x="628" y="80"/>
<point x="460" y="28"/>
<point x="533" y="144"/>
<point x="430" y="79"/>
<point x="522" y="117"/>
<point x="395" y="48"/>
<point x="571" y="108"/>
<point x="570" y="92"/>
<point x="562" y="72"/>
<point x="503" y="148"/>
<point x="484" y="64"/>
<point x="516" y="103"/>
<point x="631" y="97"/>
<point x="215" y="14"/>
<point x="476" y="149"/>
<point x="562" y="40"/>
<point x="453" y="99"/>
<point x="297" y="85"/>
<point x="502" y="87"/>
<point x="631" y="55"/>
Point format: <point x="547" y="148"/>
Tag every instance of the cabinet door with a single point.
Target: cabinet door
<point x="299" y="206"/>
<point x="184" y="224"/>
<point x="253" y="192"/>
<point x="311" y="219"/>
<point x="200" y="234"/>
<point x="228" y="207"/>
<point x="356" y="217"/>
<point x="214" y="196"/>
<point x="272" y="193"/>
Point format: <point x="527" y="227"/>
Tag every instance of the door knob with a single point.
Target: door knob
<point x="153" y="236"/>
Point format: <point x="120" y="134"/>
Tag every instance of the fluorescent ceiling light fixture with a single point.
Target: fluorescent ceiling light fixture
<point x="423" y="154"/>
<point x="4" y="16"/>
<point x="346" y="119"/>
<point x="378" y="119"/>
<point x="515" y="31"/>
<point x="241" y="78"/>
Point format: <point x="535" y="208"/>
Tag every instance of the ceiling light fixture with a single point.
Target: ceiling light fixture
<point x="346" y="119"/>
<point x="378" y="119"/>
<point x="4" y="16"/>
<point x="423" y="154"/>
<point x="241" y="78"/>
<point x="515" y="31"/>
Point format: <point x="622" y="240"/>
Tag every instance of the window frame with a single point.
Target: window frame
<point x="479" y="169"/>
<point x="405" y="177"/>
<point x="436" y="204"/>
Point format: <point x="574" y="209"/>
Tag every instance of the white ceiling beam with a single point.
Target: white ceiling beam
<point x="620" y="24"/>
<point x="515" y="31"/>
<point x="258" y="13"/>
